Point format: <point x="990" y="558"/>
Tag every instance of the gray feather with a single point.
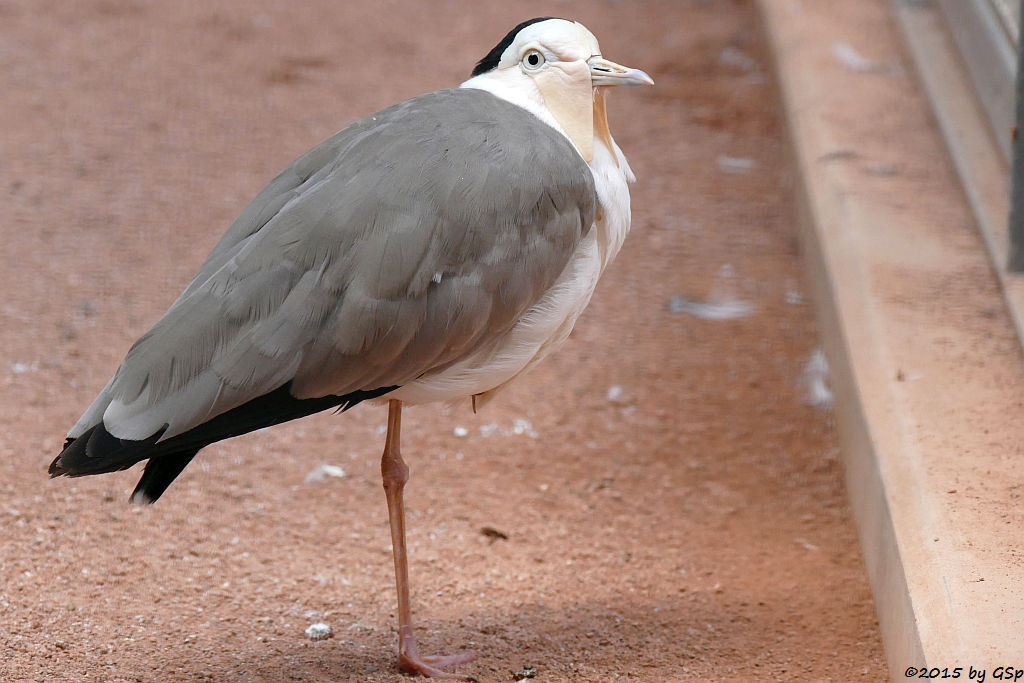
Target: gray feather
<point x="386" y="253"/>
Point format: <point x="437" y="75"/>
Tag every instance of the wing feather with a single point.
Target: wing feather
<point x="392" y="250"/>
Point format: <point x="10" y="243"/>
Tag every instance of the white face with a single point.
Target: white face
<point x="549" y="44"/>
<point x="557" y="64"/>
<point x="553" y="55"/>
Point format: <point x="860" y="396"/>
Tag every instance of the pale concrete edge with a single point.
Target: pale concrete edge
<point x="868" y="500"/>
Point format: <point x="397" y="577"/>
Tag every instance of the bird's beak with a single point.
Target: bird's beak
<point x="606" y="72"/>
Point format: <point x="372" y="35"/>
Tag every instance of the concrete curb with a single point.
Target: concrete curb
<point x="924" y="356"/>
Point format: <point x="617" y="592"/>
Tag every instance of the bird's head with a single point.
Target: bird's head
<point x="558" y="63"/>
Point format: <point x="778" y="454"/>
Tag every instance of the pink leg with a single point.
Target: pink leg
<point x="395" y="473"/>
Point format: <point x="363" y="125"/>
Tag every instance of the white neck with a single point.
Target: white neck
<point x="609" y="166"/>
<point x="512" y="87"/>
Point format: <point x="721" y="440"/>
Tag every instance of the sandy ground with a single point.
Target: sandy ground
<point x="672" y="500"/>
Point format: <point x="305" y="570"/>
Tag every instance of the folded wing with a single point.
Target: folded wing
<point x="390" y="251"/>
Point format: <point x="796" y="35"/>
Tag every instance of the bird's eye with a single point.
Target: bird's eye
<point x="533" y="60"/>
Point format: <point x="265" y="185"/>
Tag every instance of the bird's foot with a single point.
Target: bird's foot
<point x="433" y="666"/>
<point x="430" y="666"/>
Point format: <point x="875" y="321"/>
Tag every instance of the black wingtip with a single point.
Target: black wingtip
<point x="56" y="468"/>
<point x="97" y="451"/>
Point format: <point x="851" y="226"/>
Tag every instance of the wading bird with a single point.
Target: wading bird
<point x="432" y="251"/>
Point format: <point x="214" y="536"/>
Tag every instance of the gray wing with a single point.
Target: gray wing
<point x="393" y="249"/>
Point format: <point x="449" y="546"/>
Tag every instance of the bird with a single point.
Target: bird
<point x="433" y="251"/>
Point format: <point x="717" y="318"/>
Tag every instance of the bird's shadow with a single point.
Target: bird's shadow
<point x="591" y="637"/>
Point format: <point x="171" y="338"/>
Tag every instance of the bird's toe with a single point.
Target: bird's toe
<point x="433" y="666"/>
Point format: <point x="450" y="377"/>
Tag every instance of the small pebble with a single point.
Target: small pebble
<point x="321" y="472"/>
<point x="318" y="631"/>
<point x="494" y="534"/>
<point x="521" y="426"/>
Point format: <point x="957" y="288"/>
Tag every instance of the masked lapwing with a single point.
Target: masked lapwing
<point x="433" y="251"/>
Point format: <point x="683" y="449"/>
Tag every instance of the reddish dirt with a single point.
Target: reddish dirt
<point x="694" y="528"/>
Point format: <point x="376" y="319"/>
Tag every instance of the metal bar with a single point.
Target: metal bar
<point x="1016" y="258"/>
<point x="982" y="36"/>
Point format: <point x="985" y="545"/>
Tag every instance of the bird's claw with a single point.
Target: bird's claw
<point x="432" y="666"/>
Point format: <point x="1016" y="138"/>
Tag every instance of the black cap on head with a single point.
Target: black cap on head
<point x="494" y="56"/>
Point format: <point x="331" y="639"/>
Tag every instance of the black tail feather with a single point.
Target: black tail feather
<point x="159" y="474"/>
<point x="97" y="451"/>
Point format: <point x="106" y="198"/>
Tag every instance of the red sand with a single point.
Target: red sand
<point x="694" y="528"/>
